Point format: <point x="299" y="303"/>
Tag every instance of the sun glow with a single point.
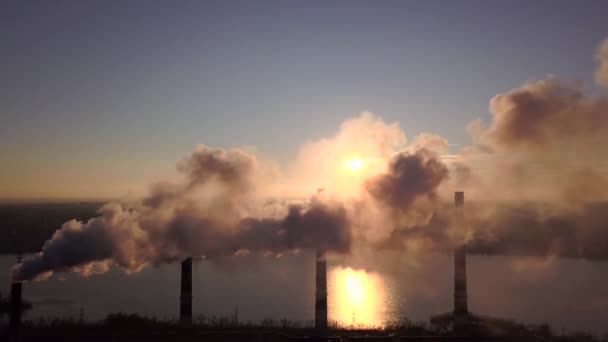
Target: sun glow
<point x="354" y="164"/>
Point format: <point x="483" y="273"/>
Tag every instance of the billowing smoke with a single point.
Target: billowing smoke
<point x="212" y="212"/>
<point x="217" y="210"/>
<point x="409" y="177"/>
<point x="538" y="173"/>
<point x="402" y="199"/>
<point x="517" y="229"/>
<point x="537" y="230"/>
<point x="535" y="178"/>
<point x="547" y="141"/>
<point x="545" y="114"/>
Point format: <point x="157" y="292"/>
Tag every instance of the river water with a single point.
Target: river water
<point x="567" y="294"/>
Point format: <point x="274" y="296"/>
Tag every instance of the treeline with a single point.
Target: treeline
<point x="121" y="325"/>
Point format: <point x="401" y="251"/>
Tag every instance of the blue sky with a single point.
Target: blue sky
<point x="98" y="95"/>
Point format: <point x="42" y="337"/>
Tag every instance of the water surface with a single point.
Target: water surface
<point x="569" y="294"/>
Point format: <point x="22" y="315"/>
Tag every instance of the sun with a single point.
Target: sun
<point x="354" y="164"/>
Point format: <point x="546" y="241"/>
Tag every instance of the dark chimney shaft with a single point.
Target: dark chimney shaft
<point x="185" y="307"/>
<point x="15" y="314"/>
<point x="321" y="292"/>
<point x="461" y="311"/>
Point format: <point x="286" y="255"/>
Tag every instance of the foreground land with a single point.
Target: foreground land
<point x="124" y="327"/>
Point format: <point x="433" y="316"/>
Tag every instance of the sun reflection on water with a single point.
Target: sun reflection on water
<point x="356" y="297"/>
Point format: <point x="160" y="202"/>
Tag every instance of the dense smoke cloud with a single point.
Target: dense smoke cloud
<point x="515" y="229"/>
<point x="537" y="230"/>
<point x="535" y="177"/>
<point x="213" y="212"/>
<point x="545" y="114"/>
<point x="402" y="197"/>
<point x="538" y="172"/>
<point x="409" y="176"/>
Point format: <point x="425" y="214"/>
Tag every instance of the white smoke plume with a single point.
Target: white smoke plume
<point x="547" y="141"/>
<point x="214" y="211"/>
<point x="540" y="168"/>
<point x="535" y="178"/>
<point x="219" y="207"/>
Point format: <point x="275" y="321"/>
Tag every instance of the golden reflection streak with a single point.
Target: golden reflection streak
<point x="356" y="292"/>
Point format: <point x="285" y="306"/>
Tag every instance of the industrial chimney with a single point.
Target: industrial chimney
<point x="185" y="307"/>
<point x="461" y="311"/>
<point x="321" y="292"/>
<point x="15" y="313"/>
<point x="321" y="286"/>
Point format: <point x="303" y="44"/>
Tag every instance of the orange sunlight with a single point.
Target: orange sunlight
<point x="356" y="297"/>
<point x="354" y="164"/>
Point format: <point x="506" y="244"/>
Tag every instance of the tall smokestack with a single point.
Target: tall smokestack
<point x="15" y="307"/>
<point x="185" y="307"/>
<point x="321" y="292"/>
<point x="461" y="311"/>
<point x="321" y="287"/>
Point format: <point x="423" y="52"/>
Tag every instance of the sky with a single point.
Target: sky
<point x="100" y="98"/>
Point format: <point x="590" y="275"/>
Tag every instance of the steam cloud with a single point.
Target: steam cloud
<point x="535" y="177"/>
<point x="538" y="173"/>
<point x="211" y="213"/>
<point x="408" y="178"/>
<point x="533" y="231"/>
<point x="544" y="115"/>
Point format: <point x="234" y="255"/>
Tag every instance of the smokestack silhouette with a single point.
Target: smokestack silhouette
<point x="461" y="311"/>
<point x="321" y="292"/>
<point x="321" y="287"/>
<point x="15" y="315"/>
<point x="185" y="307"/>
